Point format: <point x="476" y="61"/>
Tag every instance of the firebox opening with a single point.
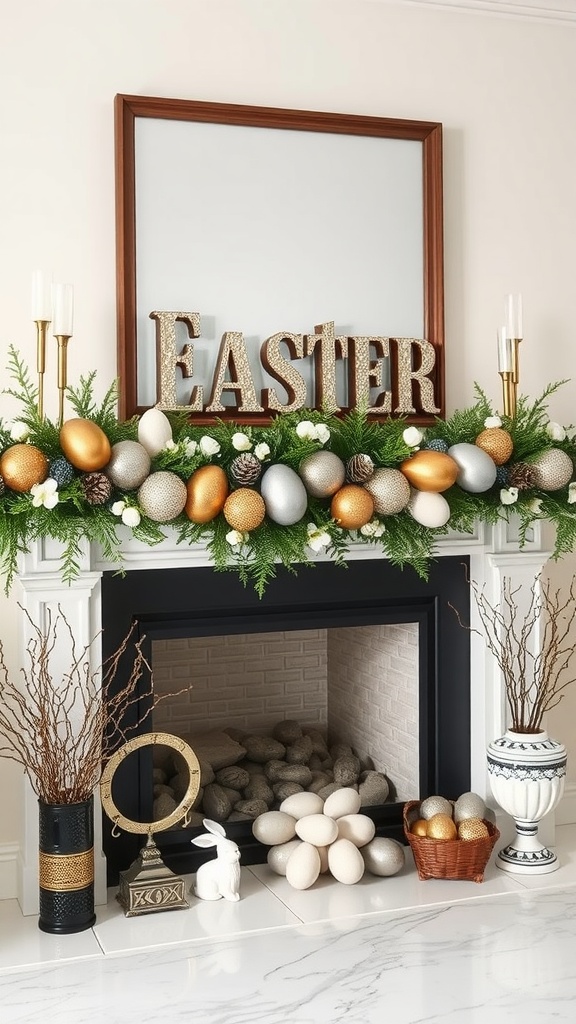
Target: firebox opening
<point x="335" y="622"/>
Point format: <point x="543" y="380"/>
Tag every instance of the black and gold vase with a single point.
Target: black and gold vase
<point x="66" y="867"/>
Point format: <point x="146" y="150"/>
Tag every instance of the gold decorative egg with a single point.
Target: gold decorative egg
<point x="430" y="471"/>
<point x="22" y="466"/>
<point x="420" y="827"/>
<point x="85" y="445"/>
<point x="473" y="828"/>
<point x="207" y="491"/>
<point x="244" y="509"/>
<point x="497" y="443"/>
<point x="441" y="826"/>
<point x="352" y="507"/>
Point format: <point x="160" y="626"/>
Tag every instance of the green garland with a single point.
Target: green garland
<point x="70" y="517"/>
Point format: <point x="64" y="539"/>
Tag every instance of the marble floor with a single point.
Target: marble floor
<point x="388" y="949"/>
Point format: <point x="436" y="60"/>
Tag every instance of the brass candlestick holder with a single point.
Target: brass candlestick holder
<point x="508" y="393"/>
<point x="62" y="340"/>
<point x="41" y="330"/>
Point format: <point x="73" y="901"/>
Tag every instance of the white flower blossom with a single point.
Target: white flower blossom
<point x="571" y="493"/>
<point x="241" y="442"/>
<point x="235" y="538"/>
<point x="131" y="516"/>
<point x="535" y="505"/>
<point x="118" y="508"/>
<point x="492" y="421"/>
<point x="191" y="448"/>
<point x="412" y="436"/>
<point x="208" y="445"/>
<point x="317" y="537"/>
<point x="322" y="433"/>
<point x="45" y="494"/>
<point x="306" y="430"/>
<point x="19" y="431"/>
<point x="262" y="451"/>
<point x="170" y="445"/>
<point x="556" y="431"/>
<point x="373" y="529"/>
<point x="509" y="495"/>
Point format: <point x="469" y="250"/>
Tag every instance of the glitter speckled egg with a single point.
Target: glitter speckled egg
<point x="84" y="444"/>
<point x="477" y="471"/>
<point x="430" y="470"/>
<point x="469" y="805"/>
<point x="352" y="507"/>
<point x="390" y="491"/>
<point x="552" y="470"/>
<point x="497" y="443"/>
<point x="441" y="826"/>
<point x="244" y="509"/>
<point x="323" y="474"/>
<point x="383" y="856"/>
<point x="207" y="491"/>
<point x="129" y="465"/>
<point x="22" y="466"/>
<point x="473" y="828"/>
<point x="284" y="495"/>
<point x="278" y="856"/>
<point x="435" y="805"/>
<point x="162" y="496"/>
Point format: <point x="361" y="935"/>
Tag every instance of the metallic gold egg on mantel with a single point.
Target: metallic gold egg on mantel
<point x="244" y="509"/>
<point x="429" y="470"/>
<point x="85" y="444"/>
<point x="207" y="491"/>
<point x="22" y="466"/>
<point x="352" y="507"/>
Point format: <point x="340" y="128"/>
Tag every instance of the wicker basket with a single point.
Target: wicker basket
<point x="460" y="859"/>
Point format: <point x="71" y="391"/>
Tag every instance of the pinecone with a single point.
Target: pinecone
<point x="245" y="469"/>
<point x="97" y="488"/>
<point x="522" y="476"/>
<point x="359" y="469"/>
<point x="436" y="444"/>
<point x="61" y="471"/>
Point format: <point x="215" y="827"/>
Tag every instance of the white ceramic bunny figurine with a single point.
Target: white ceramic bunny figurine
<point x="219" y="877"/>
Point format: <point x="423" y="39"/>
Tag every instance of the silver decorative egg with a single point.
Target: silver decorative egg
<point x="162" y="496"/>
<point x="477" y="471"/>
<point x="469" y="805"/>
<point x="383" y="856"/>
<point x="552" y="470"/>
<point x="284" y="495"/>
<point x="323" y="474"/>
<point x="435" y="805"/>
<point x="390" y="490"/>
<point x="129" y="465"/>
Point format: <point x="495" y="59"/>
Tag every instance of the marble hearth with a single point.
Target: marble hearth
<point x="493" y="553"/>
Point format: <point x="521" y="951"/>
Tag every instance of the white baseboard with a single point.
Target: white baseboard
<point x="8" y="870"/>
<point x="566" y="810"/>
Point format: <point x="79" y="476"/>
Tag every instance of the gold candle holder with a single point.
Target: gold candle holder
<point x="41" y="329"/>
<point x="62" y="340"/>
<point x="515" y="342"/>
<point x="508" y="393"/>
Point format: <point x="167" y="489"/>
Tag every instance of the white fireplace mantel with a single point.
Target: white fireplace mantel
<point x="494" y="554"/>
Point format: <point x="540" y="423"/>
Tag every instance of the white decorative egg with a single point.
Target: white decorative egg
<point x="303" y="866"/>
<point x="342" y="801"/>
<point x="477" y="471"/>
<point x="429" y="508"/>
<point x="278" y="856"/>
<point x="383" y="856"/>
<point x="345" y="861"/>
<point x="318" y="829"/>
<point x="274" y="827"/>
<point x="284" y="495"/>
<point x="358" y="828"/>
<point x="323" y="851"/>
<point x="154" y="430"/>
<point x="301" y="804"/>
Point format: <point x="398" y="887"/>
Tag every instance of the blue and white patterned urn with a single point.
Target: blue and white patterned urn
<point x="527" y="775"/>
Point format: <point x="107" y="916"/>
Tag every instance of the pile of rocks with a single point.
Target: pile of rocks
<point x="244" y="775"/>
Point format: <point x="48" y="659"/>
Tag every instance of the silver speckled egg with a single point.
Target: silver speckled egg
<point x="284" y="495"/>
<point x="477" y="471"/>
<point x="469" y="805"/>
<point x="383" y="856"/>
<point x="552" y="470"/>
<point x="390" y="491"/>
<point x="435" y="805"/>
<point x="323" y="474"/>
<point x="162" y="496"/>
<point x="129" y="465"/>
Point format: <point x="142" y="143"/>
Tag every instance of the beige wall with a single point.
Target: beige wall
<point x="502" y="87"/>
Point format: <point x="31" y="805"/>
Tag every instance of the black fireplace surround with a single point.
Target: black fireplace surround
<point x="179" y="603"/>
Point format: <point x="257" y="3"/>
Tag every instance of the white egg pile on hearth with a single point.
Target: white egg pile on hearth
<point x="309" y="836"/>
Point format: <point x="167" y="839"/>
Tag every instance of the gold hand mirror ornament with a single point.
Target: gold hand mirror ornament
<point x="148" y="885"/>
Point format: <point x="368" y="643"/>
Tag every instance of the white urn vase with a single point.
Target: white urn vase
<point x="527" y="773"/>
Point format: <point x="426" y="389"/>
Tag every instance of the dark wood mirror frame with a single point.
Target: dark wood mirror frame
<point x="129" y="108"/>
